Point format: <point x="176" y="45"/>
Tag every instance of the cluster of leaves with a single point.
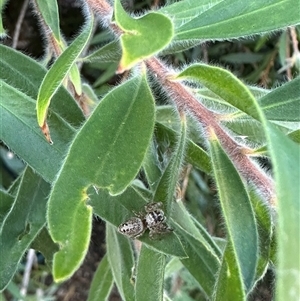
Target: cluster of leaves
<point x="130" y="151"/>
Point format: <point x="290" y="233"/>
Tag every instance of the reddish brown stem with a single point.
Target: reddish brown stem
<point x="186" y="101"/>
<point x="183" y="100"/>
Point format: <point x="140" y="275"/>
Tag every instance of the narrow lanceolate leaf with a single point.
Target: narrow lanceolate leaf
<point x="137" y="41"/>
<point x="220" y="19"/>
<point x="285" y="98"/>
<point x="5" y="204"/>
<point x="25" y="75"/>
<point x="151" y="166"/>
<point x="49" y="11"/>
<point x="45" y="245"/>
<point x="149" y="281"/>
<point x="107" y="153"/>
<point x="238" y="215"/>
<point x="286" y="161"/>
<point x="295" y="136"/>
<point x="284" y="103"/>
<point x="195" y="155"/>
<point x="285" y="158"/>
<point x="120" y="258"/>
<point x="229" y="283"/>
<point x="166" y="188"/>
<point x="2" y="30"/>
<point x="224" y="84"/>
<point x="59" y="70"/>
<point x="265" y="234"/>
<point x="23" y="222"/>
<point x="102" y="282"/>
<point x="24" y="137"/>
<point x="203" y="255"/>
<point x="110" y="53"/>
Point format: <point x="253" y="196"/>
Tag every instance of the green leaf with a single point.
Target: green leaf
<point x="117" y="209"/>
<point x="199" y="247"/>
<point x="195" y="155"/>
<point x="5" y="205"/>
<point x="237" y="212"/>
<point x="229" y="284"/>
<point x="112" y="144"/>
<point x="285" y="156"/>
<point x="151" y="166"/>
<point x="224" y="84"/>
<point x="265" y="234"/>
<point x="2" y="30"/>
<point x="49" y="11"/>
<point x="295" y="136"/>
<point x="21" y="77"/>
<point x="166" y="188"/>
<point x="102" y="282"/>
<point x="137" y="41"/>
<point x="25" y="74"/>
<point x="44" y="244"/>
<point x="286" y="159"/>
<point x="205" y="20"/>
<point x="110" y="53"/>
<point x="120" y="257"/>
<point x="70" y="227"/>
<point x="282" y="104"/>
<point x="24" y="137"/>
<point x="23" y="222"/>
<point x="59" y="70"/>
<point x="150" y="275"/>
<point x="76" y="79"/>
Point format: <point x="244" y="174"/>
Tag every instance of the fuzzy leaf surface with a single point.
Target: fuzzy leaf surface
<point x="49" y="11"/>
<point x="107" y="152"/>
<point x="5" y="204"/>
<point x="24" y="137"/>
<point x="110" y="53"/>
<point x="166" y="188"/>
<point x="229" y="284"/>
<point x="227" y="19"/>
<point x="150" y="275"/>
<point x="224" y="84"/>
<point x="102" y="282"/>
<point x="2" y="30"/>
<point x="23" y="222"/>
<point x="286" y="160"/>
<point x="25" y="74"/>
<point x="199" y="247"/>
<point x="237" y="212"/>
<point x="120" y="258"/>
<point x="283" y="103"/>
<point x="59" y="70"/>
<point x="142" y="37"/>
<point x="44" y="244"/>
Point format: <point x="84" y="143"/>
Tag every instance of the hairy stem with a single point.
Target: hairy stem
<point x="238" y="154"/>
<point x="184" y="100"/>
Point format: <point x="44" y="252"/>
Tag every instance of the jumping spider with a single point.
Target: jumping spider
<point x="154" y="220"/>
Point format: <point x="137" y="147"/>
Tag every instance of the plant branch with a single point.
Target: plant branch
<point x="238" y="154"/>
<point x="183" y="100"/>
<point x="30" y="260"/>
<point x="19" y="23"/>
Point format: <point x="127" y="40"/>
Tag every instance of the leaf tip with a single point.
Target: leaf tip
<point x="45" y="130"/>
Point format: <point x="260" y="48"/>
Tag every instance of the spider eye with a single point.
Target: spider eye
<point x="160" y="217"/>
